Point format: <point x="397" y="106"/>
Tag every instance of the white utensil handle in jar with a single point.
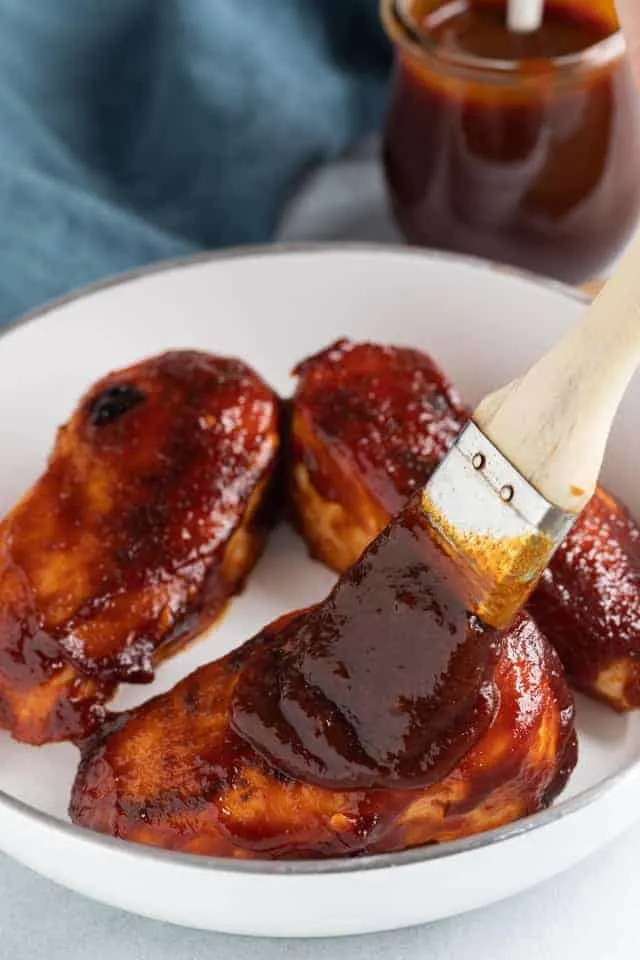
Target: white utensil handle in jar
<point x="525" y="16"/>
<point x="554" y="422"/>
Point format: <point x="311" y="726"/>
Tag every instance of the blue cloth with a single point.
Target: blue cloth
<point x="132" y="130"/>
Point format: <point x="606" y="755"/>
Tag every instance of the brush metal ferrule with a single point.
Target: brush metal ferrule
<point x="498" y="532"/>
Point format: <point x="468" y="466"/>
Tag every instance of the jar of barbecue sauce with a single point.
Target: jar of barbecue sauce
<point x="523" y="148"/>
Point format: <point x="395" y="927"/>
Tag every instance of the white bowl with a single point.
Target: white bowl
<point x="484" y="324"/>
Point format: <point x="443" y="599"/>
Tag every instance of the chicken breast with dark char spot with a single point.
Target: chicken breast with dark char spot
<point x="151" y="513"/>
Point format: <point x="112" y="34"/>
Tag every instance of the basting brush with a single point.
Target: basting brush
<point x="510" y="489"/>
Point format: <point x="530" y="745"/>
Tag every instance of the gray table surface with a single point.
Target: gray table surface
<point x="587" y="913"/>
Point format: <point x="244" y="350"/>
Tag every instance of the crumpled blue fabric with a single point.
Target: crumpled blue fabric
<point x="134" y="130"/>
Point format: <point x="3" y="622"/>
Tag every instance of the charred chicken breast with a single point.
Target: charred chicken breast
<point x="150" y="515"/>
<point x="383" y="718"/>
<point x="370" y="424"/>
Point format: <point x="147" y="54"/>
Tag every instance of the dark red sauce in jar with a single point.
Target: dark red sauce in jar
<point x="521" y="148"/>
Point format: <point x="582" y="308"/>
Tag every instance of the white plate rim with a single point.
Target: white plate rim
<point x="332" y="865"/>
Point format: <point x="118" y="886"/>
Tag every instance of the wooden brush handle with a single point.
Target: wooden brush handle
<point x="553" y="423"/>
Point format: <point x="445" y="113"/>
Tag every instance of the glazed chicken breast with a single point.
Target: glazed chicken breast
<point x="369" y="424"/>
<point x="383" y="718"/>
<point x="152" y="510"/>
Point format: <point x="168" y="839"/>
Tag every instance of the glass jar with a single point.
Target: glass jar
<point x="533" y="161"/>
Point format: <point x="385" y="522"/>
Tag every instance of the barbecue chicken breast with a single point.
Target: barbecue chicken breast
<point x="383" y="718"/>
<point x="151" y="512"/>
<point x="369" y="424"/>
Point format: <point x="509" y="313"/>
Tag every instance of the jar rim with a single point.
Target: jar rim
<point x="403" y="31"/>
